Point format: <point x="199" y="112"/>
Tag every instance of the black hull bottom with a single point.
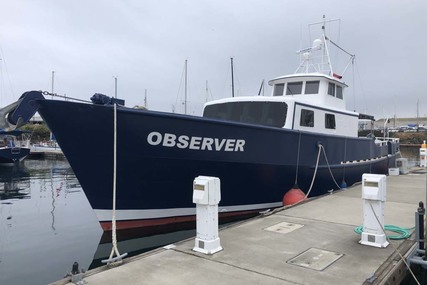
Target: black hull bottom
<point x="127" y="230"/>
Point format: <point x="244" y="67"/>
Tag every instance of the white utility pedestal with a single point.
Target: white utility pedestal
<point x="423" y="155"/>
<point x="374" y="196"/>
<point x="206" y="196"/>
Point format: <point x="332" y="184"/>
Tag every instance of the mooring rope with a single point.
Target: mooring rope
<point x="118" y="259"/>
<point x="315" y="171"/>
<point x="329" y="167"/>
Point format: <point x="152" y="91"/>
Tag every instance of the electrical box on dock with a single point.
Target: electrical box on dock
<point x="374" y="196"/>
<point x="423" y="155"/>
<point x="206" y="196"/>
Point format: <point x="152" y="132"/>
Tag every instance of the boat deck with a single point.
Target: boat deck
<point x="311" y="243"/>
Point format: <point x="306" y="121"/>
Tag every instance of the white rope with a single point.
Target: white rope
<point x="118" y="259"/>
<point x="315" y="171"/>
<point x="327" y="163"/>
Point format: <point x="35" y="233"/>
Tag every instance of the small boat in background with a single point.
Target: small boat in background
<point x="46" y="149"/>
<point x="13" y="150"/>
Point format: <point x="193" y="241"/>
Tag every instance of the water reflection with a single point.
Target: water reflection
<point x="46" y="223"/>
<point x="14" y="182"/>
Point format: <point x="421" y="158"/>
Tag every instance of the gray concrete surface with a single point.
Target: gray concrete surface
<point x="254" y="255"/>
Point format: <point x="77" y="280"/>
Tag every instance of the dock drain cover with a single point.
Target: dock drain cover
<point x="284" y="227"/>
<point x="316" y="259"/>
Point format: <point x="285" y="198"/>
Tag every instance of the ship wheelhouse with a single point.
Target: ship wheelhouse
<point x="311" y="100"/>
<point x="308" y="102"/>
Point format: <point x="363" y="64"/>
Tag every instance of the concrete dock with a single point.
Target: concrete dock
<point x="311" y="243"/>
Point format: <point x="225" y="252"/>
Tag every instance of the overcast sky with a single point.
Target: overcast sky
<point x="145" y="44"/>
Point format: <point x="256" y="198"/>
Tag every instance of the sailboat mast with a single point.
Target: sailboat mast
<point x="53" y="81"/>
<point x="232" y="78"/>
<point x="207" y="91"/>
<point x="418" y="115"/>
<point x="185" y="99"/>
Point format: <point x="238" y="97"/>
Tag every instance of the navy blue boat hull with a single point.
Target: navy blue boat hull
<point x="157" y="161"/>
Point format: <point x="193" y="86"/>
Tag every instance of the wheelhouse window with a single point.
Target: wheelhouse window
<point x="294" y="88"/>
<point x="278" y="89"/>
<point x="339" y="92"/>
<point x="307" y="118"/>
<point x="264" y="113"/>
<point x="330" y="121"/>
<point x="312" y="87"/>
<point x="331" y="89"/>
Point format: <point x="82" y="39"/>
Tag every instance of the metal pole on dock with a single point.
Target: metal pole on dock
<point x="421" y="212"/>
<point x="424" y="221"/>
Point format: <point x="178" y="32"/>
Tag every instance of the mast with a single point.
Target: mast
<point x="207" y="91"/>
<point x="115" y="86"/>
<point x="418" y="114"/>
<point x="325" y="56"/>
<point x="185" y="98"/>
<point x="145" y="99"/>
<point x="232" y="78"/>
<point x="53" y="80"/>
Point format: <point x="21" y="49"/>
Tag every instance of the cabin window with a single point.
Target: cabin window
<point x="312" y="87"/>
<point x="278" y="89"/>
<point x="339" y="92"/>
<point x="331" y="89"/>
<point x="294" y="88"/>
<point x="263" y="113"/>
<point x="330" y="121"/>
<point x="307" y="118"/>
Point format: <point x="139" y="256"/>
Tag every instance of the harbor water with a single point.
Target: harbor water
<point x="47" y="223"/>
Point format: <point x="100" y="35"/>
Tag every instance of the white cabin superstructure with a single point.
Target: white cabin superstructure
<point x="310" y="100"/>
<point x="318" y="112"/>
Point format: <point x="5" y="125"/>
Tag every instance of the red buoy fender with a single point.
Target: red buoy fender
<point x="293" y="196"/>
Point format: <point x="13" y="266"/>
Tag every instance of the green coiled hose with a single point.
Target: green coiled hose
<point x="404" y="232"/>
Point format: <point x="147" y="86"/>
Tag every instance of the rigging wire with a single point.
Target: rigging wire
<point x="361" y="87"/>
<point x="2" y="59"/>
<point x="180" y="85"/>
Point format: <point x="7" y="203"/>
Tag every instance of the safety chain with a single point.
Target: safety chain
<point x="46" y="93"/>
